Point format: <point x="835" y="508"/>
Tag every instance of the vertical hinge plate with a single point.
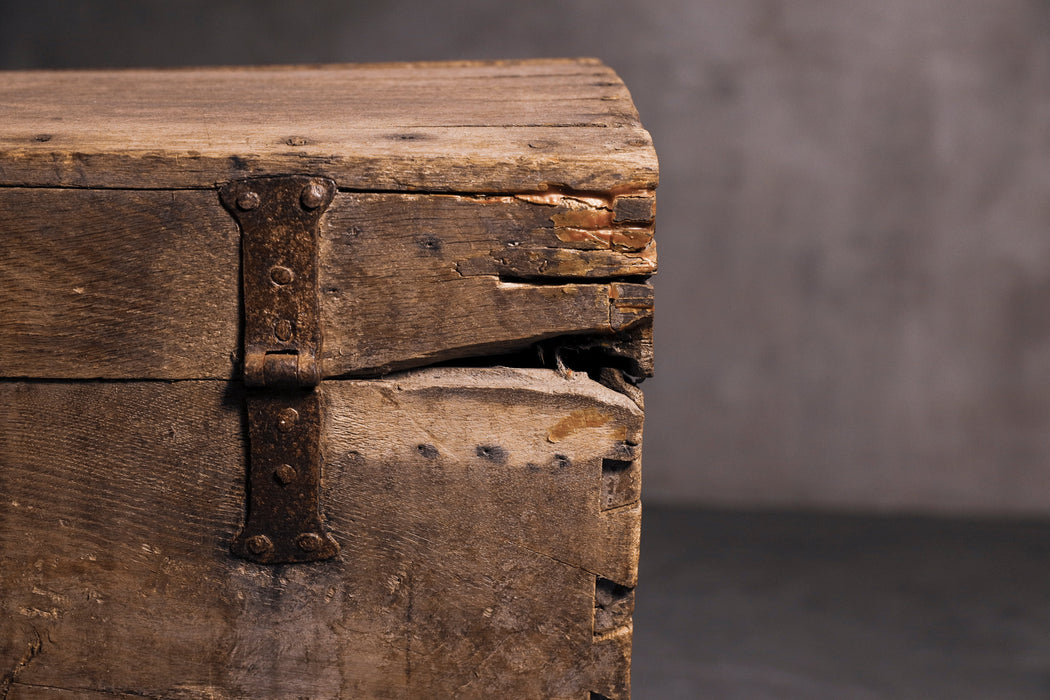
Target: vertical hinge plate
<point x="279" y="219"/>
<point x="284" y="480"/>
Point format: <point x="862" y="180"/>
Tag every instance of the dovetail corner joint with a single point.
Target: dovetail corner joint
<point x="279" y="219"/>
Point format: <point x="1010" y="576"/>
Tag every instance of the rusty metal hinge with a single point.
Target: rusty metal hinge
<point x="279" y="219"/>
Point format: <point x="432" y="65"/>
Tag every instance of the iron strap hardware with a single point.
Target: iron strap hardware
<point x="279" y="219"/>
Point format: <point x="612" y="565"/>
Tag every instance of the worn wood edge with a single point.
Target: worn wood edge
<point x="601" y="147"/>
<point x="516" y="169"/>
<point x="613" y="650"/>
<point x="621" y="525"/>
<point x="533" y="380"/>
<point x="530" y="379"/>
<point x="481" y="65"/>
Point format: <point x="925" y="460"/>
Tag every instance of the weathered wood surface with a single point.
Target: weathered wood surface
<point x="488" y="519"/>
<point x="414" y="279"/>
<point x="145" y="284"/>
<point x="450" y="127"/>
<point x="96" y="283"/>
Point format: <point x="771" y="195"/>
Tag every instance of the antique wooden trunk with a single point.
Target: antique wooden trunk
<point x="320" y="382"/>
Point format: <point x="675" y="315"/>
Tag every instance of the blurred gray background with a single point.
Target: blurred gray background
<point x="854" y="221"/>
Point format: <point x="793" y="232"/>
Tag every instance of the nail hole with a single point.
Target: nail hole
<point x="493" y="453"/>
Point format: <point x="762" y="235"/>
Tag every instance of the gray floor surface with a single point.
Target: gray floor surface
<point x="762" y="605"/>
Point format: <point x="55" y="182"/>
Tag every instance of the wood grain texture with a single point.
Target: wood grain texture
<point x="478" y="558"/>
<point x="416" y="279"/>
<point x="127" y="284"/>
<point x="519" y="126"/>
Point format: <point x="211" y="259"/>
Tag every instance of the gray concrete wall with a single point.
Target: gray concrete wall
<point x="854" y="220"/>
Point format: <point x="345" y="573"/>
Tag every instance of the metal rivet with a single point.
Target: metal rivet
<point x="281" y="275"/>
<point x="309" y="542"/>
<point x="284" y="474"/>
<point x="287" y="419"/>
<point x="283" y="329"/>
<point x="248" y="200"/>
<point x="259" y="544"/>
<point x="313" y="196"/>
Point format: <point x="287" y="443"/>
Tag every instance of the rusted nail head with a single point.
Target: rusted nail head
<point x="284" y="474"/>
<point x="259" y="544"/>
<point x="313" y="195"/>
<point x="287" y="419"/>
<point x="247" y="200"/>
<point x="281" y="275"/>
<point x="309" y="542"/>
<point x="283" y="329"/>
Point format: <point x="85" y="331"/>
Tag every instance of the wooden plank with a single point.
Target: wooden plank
<point x="453" y="127"/>
<point x="130" y="284"/>
<point x="477" y="559"/>
<point x="416" y="279"/>
<point x="145" y="284"/>
<point x="24" y="691"/>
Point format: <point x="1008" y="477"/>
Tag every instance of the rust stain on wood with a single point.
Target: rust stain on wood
<point x="575" y="421"/>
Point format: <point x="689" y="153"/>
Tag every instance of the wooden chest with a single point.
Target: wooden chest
<point x="321" y="382"/>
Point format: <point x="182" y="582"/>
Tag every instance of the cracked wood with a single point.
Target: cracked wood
<point x="479" y="559"/>
<point x="414" y="279"/>
<point x="126" y="284"/>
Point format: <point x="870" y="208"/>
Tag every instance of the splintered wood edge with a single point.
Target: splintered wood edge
<point x="546" y="266"/>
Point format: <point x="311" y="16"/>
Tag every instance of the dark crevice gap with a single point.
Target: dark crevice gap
<point x="566" y="355"/>
<point x="590" y="354"/>
<point x="560" y="281"/>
